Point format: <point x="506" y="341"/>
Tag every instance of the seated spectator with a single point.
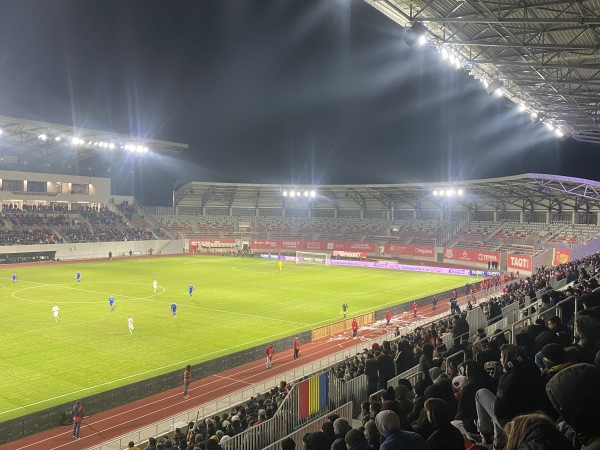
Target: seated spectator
<point x="445" y="436"/>
<point x="388" y="425"/>
<point x="520" y="390"/>
<point x="288" y="444"/>
<point x="340" y="428"/>
<point x="565" y="336"/>
<point x="588" y="324"/>
<point x="534" y="431"/>
<point x="316" y="441"/>
<point x="356" y="440"/>
<point x="478" y="379"/>
<point x="575" y="395"/>
<point x="372" y="434"/>
<point x="553" y="361"/>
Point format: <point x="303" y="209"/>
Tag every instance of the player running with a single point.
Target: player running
<point x="78" y="276"/>
<point x="191" y="290"/>
<point x="174" y="309"/>
<point x="14" y="277"/>
<point x="111" y="303"/>
<point x="154" y="286"/>
<point x="344" y="309"/>
<point x="55" y="313"/>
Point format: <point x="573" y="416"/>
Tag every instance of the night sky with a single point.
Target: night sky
<point x="266" y="91"/>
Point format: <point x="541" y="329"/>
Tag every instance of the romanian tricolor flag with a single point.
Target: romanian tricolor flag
<point x="314" y="394"/>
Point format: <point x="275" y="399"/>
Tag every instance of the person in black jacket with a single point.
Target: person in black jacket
<point x="385" y="368"/>
<point x="426" y="359"/>
<point x="445" y="436"/>
<point x="404" y="358"/>
<point x="478" y="379"/>
<point x="371" y="373"/>
<point x="520" y="391"/>
<point x="535" y="432"/>
<point x="460" y="329"/>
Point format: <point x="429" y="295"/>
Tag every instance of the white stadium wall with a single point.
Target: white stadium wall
<point x="66" y="252"/>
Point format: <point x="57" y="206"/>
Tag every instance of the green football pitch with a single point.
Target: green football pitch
<point x="238" y="303"/>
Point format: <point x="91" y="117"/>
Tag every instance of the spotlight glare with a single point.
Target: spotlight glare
<point x="558" y="132"/>
<point x="442" y="193"/>
<point x="460" y="192"/>
<point x="1" y="132"/>
<point x="448" y="193"/>
<point x="435" y="193"/>
<point x="444" y="53"/>
<point x="457" y="63"/>
<point x="451" y="58"/>
<point x="284" y="193"/>
<point x="313" y="194"/>
<point x="422" y="40"/>
<point x="485" y="83"/>
<point x="57" y="138"/>
<point x="549" y="126"/>
<point x="498" y="92"/>
<point x="43" y="137"/>
<point x="306" y="193"/>
<point x="111" y="146"/>
<point x="522" y="107"/>
<point x="292" y="194"/>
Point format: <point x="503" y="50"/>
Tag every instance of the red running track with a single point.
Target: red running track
<point x="116" y="422"/>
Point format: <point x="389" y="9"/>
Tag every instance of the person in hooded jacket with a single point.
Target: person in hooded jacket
<point x="393" y="437"/>
<point x="575" y="394"/>
<point x="478" y="379"/>
<point x="535" y="432"/>
<point x="445" y="436"/>
<point x="426" y="359"/>
<point x="404" y="358"/>
<point x="520" y="391"/>
<point x="372" y="434"/>
<point x="371" y="373"/>
<point x="356" y="440"/>
<point x="385" y="368"/>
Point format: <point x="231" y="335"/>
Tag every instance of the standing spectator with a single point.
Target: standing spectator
<point x="296" y="348"/>
<point x="354" y="328"/>
<point x="132" y="446"/>
<point x="371" y="373"/>
<point x="414" y="308"/>
<point x="460" y="330"/>
<point x="388" y="318"/>
<point x="187" y="379"/>
<point x="434" y="302"/>
<point x="77" y="413"/>
<point x="270" y="352"/>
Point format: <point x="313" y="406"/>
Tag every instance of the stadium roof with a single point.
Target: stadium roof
<point x="528" y="192"/>
<point x="544" y="52"/>
<point x="34" y="146"/>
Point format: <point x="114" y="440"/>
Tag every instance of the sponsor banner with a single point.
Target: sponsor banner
<point x="561" y="256"/>
<point x="264" y="244"/>
<point x="387" y="265"/>
<point x="421" y="251"/>
<point x="485" y="273"/>
<point x="212" y="243"/>
<point x="343" y="254"/>
<point x="519" y="262"/>
<point x="314" y="246"/>
<point x="472" y="256"/>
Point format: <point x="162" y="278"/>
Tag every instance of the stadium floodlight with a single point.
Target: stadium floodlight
<point x="448" y="193"/>
<point x="145" y="149"/>
<point x="457" y="63"/>
<point x="498" y="92"/>
<point x="534" y="117"/>
<point x="435" y="193"/>
<point x="111" y="146"/>
<point x="522" y="107"/>
<point x="306" y="193"/>
<point x="549" y="126"/>
<point x="444" y="53"/>
<point x="460" y="192"/>
<point x="284" y="193"/>
<point x="413" y="34"/>
<point x="1" y="131"/>
<point x="494" y="85"/>
<point x="76" y="141"/>
<point x="43" y="137"/>
<point x="485" y="83"/>
<point x="292" y="193"/>
<point x="422" y="40"/>
<point x="451" y="58"/>
<point x="313" y="194"/>
<point x="558" y="132"/>
<point x="57" y="138"/>
<point x="442" y="192"/>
